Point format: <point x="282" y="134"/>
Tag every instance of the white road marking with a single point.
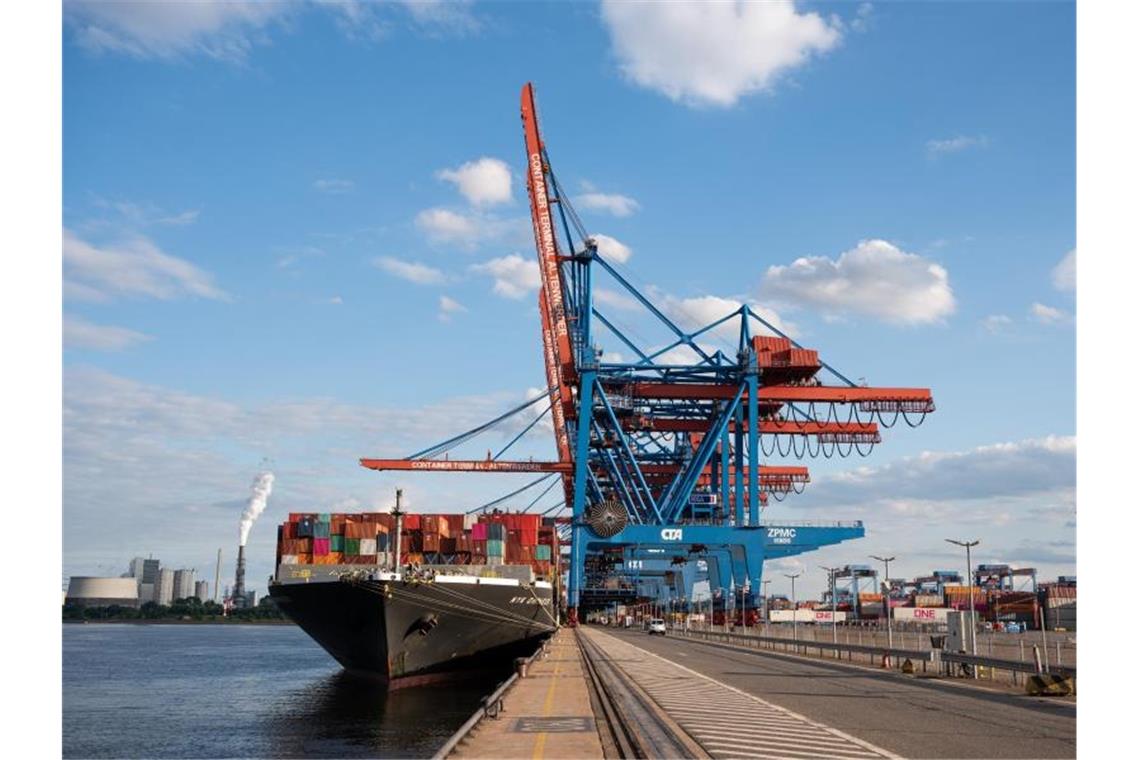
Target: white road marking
<point x="727" y="721"/>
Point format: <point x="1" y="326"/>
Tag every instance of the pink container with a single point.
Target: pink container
<point x="320" y="546"/>
<point x="479" y="532"/>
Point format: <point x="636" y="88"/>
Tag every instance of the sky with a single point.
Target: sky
<point x="297" y="234"/>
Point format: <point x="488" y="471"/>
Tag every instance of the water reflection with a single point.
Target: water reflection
<point x="346" y="715"/>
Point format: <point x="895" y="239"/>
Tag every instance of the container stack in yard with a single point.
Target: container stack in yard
<point x="1060" y="606"/>
<point x="434" y="539"/>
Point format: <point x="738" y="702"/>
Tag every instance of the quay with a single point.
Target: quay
<point x="611" y="693"/>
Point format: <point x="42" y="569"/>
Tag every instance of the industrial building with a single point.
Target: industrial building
<point x="184" y="583"/>
<point x="164" y="588"/>
<point x="202" y="591"/>
<point x="88" y="591"/>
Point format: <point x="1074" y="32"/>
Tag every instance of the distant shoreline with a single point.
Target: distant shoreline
<point x="179" y="622"/>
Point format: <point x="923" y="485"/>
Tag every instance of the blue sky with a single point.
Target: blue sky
<point x="265" y="204"/>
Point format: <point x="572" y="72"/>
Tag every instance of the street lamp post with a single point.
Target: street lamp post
<point x="764" y="601"/>
<point x="970" y="580"/>
<point x="831" y="585"/>
<point x="795" y="607"/>
<point x="886" y="597"/>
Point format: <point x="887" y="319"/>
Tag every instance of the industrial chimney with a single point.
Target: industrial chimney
<point x="239" y="579"/>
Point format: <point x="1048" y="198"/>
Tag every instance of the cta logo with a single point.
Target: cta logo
<point x="670" y="534"/>
<point x="781" y="535"/>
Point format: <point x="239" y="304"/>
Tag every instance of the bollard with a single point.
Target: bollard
<point x="1037" y="659"/>
<point x="520" y="666"/>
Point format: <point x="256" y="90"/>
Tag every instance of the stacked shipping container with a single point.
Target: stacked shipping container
<point x="366" y="539"/>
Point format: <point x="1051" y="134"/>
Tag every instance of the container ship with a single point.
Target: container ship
<point x="466" y="592"/>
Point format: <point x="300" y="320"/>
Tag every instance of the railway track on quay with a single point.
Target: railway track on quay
<point x="631" y="725"/>
<point x="657" y="708"/>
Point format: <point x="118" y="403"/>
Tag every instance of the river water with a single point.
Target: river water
<point x="237" y="691"/>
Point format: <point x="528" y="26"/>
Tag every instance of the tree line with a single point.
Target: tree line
<point x="190" y="608"/>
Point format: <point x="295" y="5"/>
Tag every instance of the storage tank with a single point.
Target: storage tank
<point x="103" y="592"/>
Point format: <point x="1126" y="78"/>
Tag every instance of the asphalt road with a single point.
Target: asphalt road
<point x="904" y="715"/>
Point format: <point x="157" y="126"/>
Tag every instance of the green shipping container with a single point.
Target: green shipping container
<point x="352" y="547"/>
<point x="325" y="517"/>
<point x="337" y="543"/>
<point x="542" y="552"/>
<point x="495" y="548"/>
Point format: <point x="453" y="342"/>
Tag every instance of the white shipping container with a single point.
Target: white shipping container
<point x="920" y="614"/>
<point x="368" y="546"/>
<point x="288" y="559"/>
<point x="805" y="616"/>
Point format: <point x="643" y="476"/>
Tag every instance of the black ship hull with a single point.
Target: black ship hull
<point x="409" y="632"/>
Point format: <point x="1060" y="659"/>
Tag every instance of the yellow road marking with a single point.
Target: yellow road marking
<point x="540" y="740"/>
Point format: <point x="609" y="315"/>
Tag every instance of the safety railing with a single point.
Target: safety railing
<point x="491" y="705"/>
<point x="969" y="663"/>
<point x="898" y="655"/>
<point x="999" y="663"/>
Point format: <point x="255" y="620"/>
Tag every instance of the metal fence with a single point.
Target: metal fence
<point x="937" y="658"/>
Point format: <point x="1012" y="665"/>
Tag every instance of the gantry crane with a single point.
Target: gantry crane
<point x="654" y="454"/>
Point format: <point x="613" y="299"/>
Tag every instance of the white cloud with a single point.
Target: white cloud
<point x="955" y="144"/>
<point x="613" y="249"/>
<point x="615" y="300"/>
<point x="141" y="215"/>
<point x="334" y="186"/>
<point x="79" y="333"/>
<point x="694" y="313"/>
<point x="1065" y="273"/>
<point x="986" y="472"/>
<point x="483" y="182"/>
<point x="712" y="54"/>
<point x="135" y="267"/>
<point x="412" y="271"/>
<point x="170" y="469"/>
<point x="612" y="203"/>
<point x="445" y="226"/>
<point x="1048" y="315"/>
<point x="875" y="278"/>
<point x="995" y="323"/>
<point x="863" y="17"/>
<point x="449" y="306"/>
<point x="228" y="30"/>
<point x="222" y="29"/>
<point x="514" y="276"/>
<point x="452" y="16"/>
<point x="470" y="230"/>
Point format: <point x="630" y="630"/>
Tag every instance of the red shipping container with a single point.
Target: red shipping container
<point x="478" y="548"/>
<point x="431" y="542"/>
<point x="447" y="545"/>
<point x="320" y="547"/>
<point x="289" y="530"/>
<point x="479" y="531"/>
<point x="411" y="522"/>
<point x="454" y="524"/>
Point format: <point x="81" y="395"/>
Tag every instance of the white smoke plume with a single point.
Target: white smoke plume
<point x="258" y="496"/>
